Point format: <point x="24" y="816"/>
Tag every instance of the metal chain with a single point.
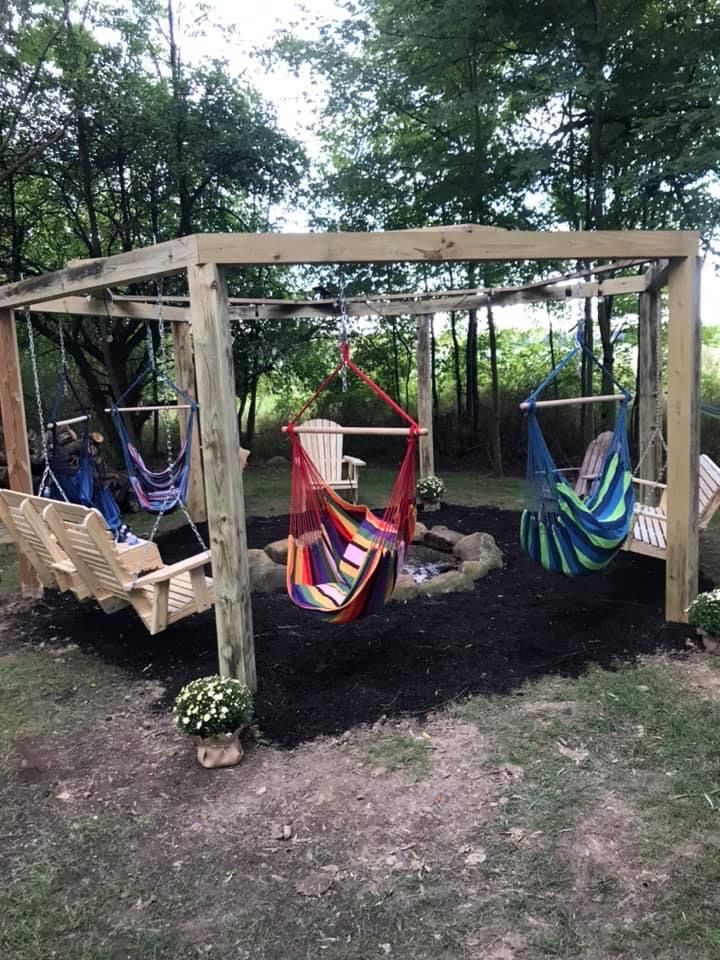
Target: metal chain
<point x="63" y="356"/>
<point x="161" y="359"/>
<point x="48" y="471"/>
<point x="342" y="303"/>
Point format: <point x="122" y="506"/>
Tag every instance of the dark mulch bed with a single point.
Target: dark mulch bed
<point x="317" y="678"/>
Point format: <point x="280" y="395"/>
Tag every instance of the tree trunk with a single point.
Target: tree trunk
<point x="496" y="439"/>
<point x="472" y="393"/>
<point x="553" y="356"/>
<point x="252" y="410"/>
<point x="608" y="384"/>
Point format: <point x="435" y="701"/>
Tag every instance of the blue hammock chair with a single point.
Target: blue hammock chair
<point x="157" y="491"/>
<point x="77" y="477"/>
<point x="560" y="530"/>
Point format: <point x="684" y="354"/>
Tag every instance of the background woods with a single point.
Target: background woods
<point x="594" y="114"/>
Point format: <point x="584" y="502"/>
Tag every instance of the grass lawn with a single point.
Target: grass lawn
<point x="576" y="818"/>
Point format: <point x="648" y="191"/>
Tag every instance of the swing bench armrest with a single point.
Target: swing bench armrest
<point x="353" y="461"/>
<point x="167" y="573"/>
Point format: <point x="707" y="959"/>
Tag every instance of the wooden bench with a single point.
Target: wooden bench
<point x="649" y="531"/>
<point x="160" y="598"/>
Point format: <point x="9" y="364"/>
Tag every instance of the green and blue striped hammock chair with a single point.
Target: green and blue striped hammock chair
<point x="343" y="559"/>
<point x="560" y="530"/>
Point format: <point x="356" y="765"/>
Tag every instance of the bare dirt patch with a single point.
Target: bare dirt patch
<point x="604" y="847"/>
<point x="700" y="674"/>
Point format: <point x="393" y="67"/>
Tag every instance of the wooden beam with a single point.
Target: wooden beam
<point x="122" y="309"/>
<point x="439" y="244"/>
<point x="657" y="275"/>
<point x="424" y="395"/>
<point x="683" y="388"/>
<point x="185" y="380"/>
<point x="12" y="413"/>
<point x="223" y="476"/>
<point x="141" y="264"/>
<point x="650" y="449"/>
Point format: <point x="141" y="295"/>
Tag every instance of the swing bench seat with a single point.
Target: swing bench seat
<point x="160" y="598"/>
<point x="648" y="535"/>
<point x="21" y="515"/>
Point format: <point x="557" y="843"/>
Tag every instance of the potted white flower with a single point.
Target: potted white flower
<point x="429" y="490"/>
<point x="214" y="711"/>
<point x="704" y="615"/>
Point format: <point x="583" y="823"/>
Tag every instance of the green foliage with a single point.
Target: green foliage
<point x="210" y="706"/>
<point x="704" y="612"/>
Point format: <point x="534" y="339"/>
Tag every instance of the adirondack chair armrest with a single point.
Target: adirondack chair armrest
<point x="167" y="573"/>
<point x="353" y="461"/>
<point x="64" y="566"/>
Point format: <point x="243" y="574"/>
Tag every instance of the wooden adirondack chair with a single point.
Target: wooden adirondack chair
<point x="30" y="534"/>
<point x="649" y="532"/>
<point x="592" y="464"/>
<point x="160" y="598"/>
<point x="326" y="452"/>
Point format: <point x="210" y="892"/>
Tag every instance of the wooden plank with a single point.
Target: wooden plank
<point x="12" y="413"/>
<point x="141" y="264"/>
<point x="117" y="307"/>
<point x="424" y="395"/>
<point x="223" y="481"/>
<point x="683" y="381"/>
<point x="438" y="244"/>
<point x="649" y="385"/>
<point x="185" y="379"/>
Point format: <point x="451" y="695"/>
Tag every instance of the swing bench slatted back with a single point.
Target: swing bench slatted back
<point x="19" y="512"/>
<point x="649" y="532"/>
<point x="160" y="598"/>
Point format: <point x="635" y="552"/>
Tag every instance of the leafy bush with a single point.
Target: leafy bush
<point x="212" y="705"/>
<point x="704" y="612"/>
<point x="430" y="488"/>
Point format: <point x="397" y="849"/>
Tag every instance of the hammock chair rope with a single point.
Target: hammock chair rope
<point x="559" y="529"/>
<point x="343" y="560"/>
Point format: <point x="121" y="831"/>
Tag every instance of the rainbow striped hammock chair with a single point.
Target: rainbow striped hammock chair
<point x="343" y="560"/>
<point x="558" y="529"/>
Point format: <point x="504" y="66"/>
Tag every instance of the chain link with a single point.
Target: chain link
<point x="342" y="304"/>
<point x="48" y="471"/>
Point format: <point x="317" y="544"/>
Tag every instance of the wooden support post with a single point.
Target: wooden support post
<point x="12" y="413"/>
<point x="223" y="476"/>
<point x="185" y="379"/>
<point x="683" y="385"/>
<point x="649" y="393"/>
<point x="424" y="395"/>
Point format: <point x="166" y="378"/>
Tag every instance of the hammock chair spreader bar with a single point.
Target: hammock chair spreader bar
<point x="53" y="424"/>
<point x="361" y="431"/>
<point x="569" y="401"/>
<point x="144" y="409"/>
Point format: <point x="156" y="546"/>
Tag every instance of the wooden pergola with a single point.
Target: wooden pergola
<point x="202" y="329"/>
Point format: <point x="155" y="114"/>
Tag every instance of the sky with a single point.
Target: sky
<point x="296" y="100"/>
